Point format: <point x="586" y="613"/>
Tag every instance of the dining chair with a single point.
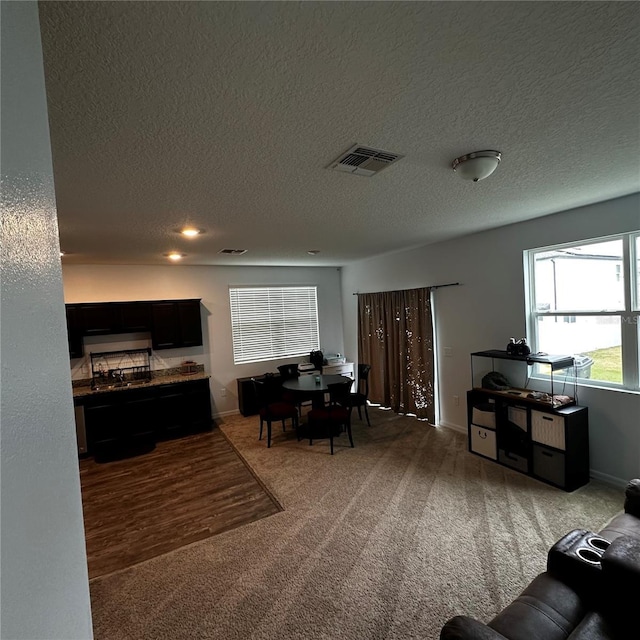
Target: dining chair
<point x="332" y="420"/>
<point x="360" y="398"/>
<point x="290" y="372"/>
<point x="273" y="407"/>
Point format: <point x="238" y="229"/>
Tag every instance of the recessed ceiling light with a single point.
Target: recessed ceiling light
<point x="174" y="255"/>
<point x="191" y="232"/>
<point x="313" y="252"/>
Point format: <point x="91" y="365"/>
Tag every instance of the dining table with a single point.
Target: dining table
<point x="314" y="386"/>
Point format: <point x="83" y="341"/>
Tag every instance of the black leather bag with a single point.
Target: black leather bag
<point x="316" y="358"/>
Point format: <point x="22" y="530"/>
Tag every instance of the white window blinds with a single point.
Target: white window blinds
<point x="269" y="323"/>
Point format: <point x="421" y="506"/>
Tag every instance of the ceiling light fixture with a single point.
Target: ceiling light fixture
<point x="478" y="165"/>
<point x="191" y="232"/>
<point x="313" y="252"/>
<point x="174" y="255"/>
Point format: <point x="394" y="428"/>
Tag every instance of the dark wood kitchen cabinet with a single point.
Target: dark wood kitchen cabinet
<point x="197" y="399"/>
<point x="184" y="409"/>
<point x="120" y="424"/>
<point x="74" y="331"/>
<point x="190" y="322"/>
<point x="103" y="318"/>
<point x="172" y="323"/>
<point x="98" y="318"/>
<point x="133" y="317"/>
<point x="176" y="324"/>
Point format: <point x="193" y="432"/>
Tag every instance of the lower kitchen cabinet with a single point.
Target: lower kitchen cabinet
<point x="550" y="444"/>
<point x="116" y="425"/>
<point x="184" y="409"/>
<point x="119" y="424"/>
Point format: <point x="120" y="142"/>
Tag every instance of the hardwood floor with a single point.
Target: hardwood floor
<point x="183" y="491"/>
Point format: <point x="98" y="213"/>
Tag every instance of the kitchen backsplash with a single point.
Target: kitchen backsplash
<point x="160" y="361"/>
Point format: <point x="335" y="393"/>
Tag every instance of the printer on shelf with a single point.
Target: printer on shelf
<point x="336" y="359"/>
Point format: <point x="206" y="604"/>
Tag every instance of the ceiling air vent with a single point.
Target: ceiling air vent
<point x="364" y="161"/>
<point x="233" y="252"/>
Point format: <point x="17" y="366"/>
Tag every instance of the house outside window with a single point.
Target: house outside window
<point x="583" y="300"/>
<point x="271" y="323"/>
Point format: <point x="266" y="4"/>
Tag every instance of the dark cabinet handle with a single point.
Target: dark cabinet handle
<point x="482" y="435"/>
<point x="547" y="418"/>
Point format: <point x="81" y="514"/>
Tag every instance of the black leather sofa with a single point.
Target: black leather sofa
<point x="588" y="592"/>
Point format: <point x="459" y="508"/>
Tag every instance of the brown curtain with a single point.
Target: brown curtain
<point x="395" y="336"/>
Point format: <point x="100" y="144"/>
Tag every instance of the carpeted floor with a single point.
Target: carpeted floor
<point x="386" y="540"/>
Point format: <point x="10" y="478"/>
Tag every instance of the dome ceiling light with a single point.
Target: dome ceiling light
<point x="478" y="165"/>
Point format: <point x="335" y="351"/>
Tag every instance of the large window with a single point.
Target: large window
<point x="583" y="300"/>
<point x="269" y="323"/>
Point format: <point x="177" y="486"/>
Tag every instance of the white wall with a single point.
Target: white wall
<point x="45" y="589"/>
<point x="489" y="307"/>
<point x="101" y="283"/>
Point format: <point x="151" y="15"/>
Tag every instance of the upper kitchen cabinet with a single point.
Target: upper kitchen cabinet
<point x="172" y="323"/>
<point x="134" y="316"/>
<point x="190" y="322"/>
<point x="175" y="324"/>
<point x="74" y="331"/>
<point x="102" y="318"/>
<point x="97" y="318"/>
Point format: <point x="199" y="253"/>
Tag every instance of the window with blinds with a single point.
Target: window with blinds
<point x="269" y="323"/>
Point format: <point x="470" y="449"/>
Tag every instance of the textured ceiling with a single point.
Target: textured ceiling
<point x="225" y="115"/>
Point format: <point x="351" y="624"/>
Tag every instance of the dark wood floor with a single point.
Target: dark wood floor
<point x="183" y="491"/>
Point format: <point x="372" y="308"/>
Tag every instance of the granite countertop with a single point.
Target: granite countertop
<point x="169" y="377"/>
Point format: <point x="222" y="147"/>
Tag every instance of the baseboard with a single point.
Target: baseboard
<point x="454" y="427"/>
<point x="607" y="479"/>
<point x="221" y="414"/>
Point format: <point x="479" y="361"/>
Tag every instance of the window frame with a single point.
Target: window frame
<point x="274" y="331"/>
<point x="629" y="315"/>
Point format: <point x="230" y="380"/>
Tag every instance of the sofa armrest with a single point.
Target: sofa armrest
<point x="632" y="498"/>
<point x="465" y="628"/>
<point x="621" y="574"/>
<point x="621" y="568"/>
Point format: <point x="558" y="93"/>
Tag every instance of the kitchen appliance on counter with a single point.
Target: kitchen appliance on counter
<point x="125" y="368"/>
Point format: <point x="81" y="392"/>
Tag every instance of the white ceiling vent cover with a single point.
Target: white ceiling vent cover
<point x="233" y="252"/>
<point x="364" y="161"/>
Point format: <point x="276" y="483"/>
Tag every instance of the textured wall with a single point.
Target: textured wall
<point x="44" y="575"/>
<point x="489" y="307"/>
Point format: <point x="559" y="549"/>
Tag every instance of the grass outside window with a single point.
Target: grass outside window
<point x="607" y="364"/>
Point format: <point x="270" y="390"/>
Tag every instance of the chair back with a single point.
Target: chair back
<point x="363" y="379"/>
<point x="267" y="390"/>
<point x="288" y="371"/>
<point x="339" y="393"/>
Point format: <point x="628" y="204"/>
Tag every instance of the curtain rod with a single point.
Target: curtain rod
<point x="434" y="286"/>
